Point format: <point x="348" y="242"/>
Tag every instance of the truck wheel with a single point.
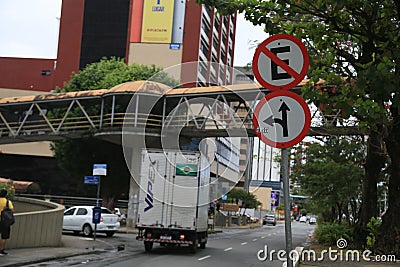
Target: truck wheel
<point x="203" y="244"/>
<point x="148" y="246"/>
<point x="193" y="247"/>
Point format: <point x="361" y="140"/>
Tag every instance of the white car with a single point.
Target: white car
<point x="79" y="219"/>
<point x="303" y="219"/>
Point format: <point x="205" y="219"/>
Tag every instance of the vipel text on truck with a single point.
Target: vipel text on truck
<point x="174" y="199"/>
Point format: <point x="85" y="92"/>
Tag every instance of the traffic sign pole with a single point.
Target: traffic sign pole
<point x="286" y="201"/>
<point x="97" y="204"/>
<point x="99" y="170"/>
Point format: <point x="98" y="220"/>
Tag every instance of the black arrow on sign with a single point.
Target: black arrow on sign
<point x="283" y="122"/>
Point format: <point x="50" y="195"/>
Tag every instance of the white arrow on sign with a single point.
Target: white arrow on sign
<point x="281" y="119"/>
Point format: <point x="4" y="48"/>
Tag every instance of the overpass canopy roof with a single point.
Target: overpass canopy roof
<point x="145" y="87"/>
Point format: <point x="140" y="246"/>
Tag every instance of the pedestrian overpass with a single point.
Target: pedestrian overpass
<point x="144" y="107"/>
<point x="138" y="113"/>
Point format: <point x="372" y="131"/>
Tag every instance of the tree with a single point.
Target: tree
<point x="76" y="157"/>
<point x="331" y="174"/>
<point x="249" y="200"/>
<point x="358" y="40"/>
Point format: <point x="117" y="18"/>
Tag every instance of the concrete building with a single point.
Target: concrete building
<point x="177" y="32"/>
<point x="160" y="32"/>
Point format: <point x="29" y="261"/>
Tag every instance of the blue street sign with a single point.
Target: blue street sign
<point x="100" y="169"/>
<point x="91" y="179"/>
<point x="175" y="46"/>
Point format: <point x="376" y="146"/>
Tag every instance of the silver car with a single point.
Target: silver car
<point x="79" y="219"/>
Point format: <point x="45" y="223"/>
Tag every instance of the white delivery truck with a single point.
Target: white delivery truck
<point x="174" y="199"/>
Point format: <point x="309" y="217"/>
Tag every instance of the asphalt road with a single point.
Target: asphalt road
<point x="233" y="247"/>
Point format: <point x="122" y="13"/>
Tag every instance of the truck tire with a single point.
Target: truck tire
<point x="193" y="247"/>
<point x="203" y="241"/>
<point x="148" y="246"/>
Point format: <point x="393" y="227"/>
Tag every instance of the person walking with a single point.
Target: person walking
<point x="5" y="229"/>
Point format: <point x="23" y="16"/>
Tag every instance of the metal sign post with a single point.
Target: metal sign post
<point x="95" y="220"/>
<point x="286" y="201"/>
<point x="98" y="170"/>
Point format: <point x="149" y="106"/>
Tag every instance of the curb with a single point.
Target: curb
<point x="299" y="252"/>
<point x="58" y="257"/>
<point x="296" y="262"/>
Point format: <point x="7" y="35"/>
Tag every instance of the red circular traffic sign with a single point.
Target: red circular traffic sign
<point x="281" y="119"/>
<point x="280" y="62"/>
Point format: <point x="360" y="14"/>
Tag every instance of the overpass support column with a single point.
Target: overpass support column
<point x="133" y="148"/>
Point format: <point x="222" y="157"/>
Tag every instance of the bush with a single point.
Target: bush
<point x="329" y="233"/>
<point x="373" y="229"/>
<point x="10" y="189"/>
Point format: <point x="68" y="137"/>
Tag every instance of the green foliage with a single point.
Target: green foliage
<point x="303" y="212"/>
<point x="328" y="233"/>
<point x="10" y="190"/>
<point x="281" y="206"/>
<point x="331" y="174"/>
<point x="109" y="72"/>
<point x="352" y="44"/>
<point x="355" y="39"/>
<point x="249" y="200"/>
<point x="77" y="157"/>
<point x="373" y="228"/>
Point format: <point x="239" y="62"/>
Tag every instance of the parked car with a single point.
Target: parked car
<point x="269" y="219"/>
<point x="312" y="220"/>
<point x="79" y="219"/>
<point x="303" y="219"/>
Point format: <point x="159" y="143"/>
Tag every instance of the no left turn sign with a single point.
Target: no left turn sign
<point x="280" y="62"/>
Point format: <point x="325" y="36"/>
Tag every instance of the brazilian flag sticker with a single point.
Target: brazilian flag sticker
<point x="186" y="169"/>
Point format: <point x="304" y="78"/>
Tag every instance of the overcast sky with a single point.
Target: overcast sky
<point x="29" y="29"/>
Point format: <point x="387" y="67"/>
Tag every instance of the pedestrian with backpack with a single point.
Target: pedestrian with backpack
<point x="5" y="227"/>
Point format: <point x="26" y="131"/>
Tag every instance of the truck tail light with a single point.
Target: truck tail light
<point x="148" y="235"/>
<point x="182" y="237"/>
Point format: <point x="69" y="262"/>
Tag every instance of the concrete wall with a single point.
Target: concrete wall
<point x="37" y="224"/>
<point x="263" y="195"/>
<point x="159" y="54"/>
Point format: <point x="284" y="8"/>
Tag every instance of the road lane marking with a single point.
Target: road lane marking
<point x="255" y="239"/>
<point x="227" y="249"/>
<point x="269" y="234"/>
<point x="244" y="243"/>
<point x="262" y="237"/>
<point x="205" y="257"/>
